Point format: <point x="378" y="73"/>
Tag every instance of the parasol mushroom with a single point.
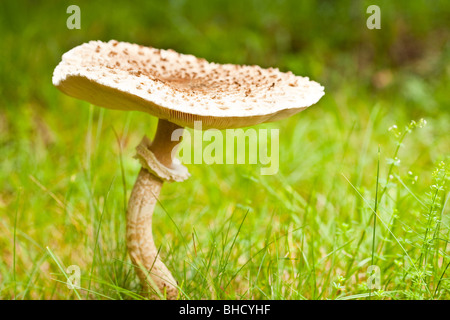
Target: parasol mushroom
<point x="179" y="89"/>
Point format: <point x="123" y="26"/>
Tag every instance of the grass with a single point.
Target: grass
<point x="359" y="184"/>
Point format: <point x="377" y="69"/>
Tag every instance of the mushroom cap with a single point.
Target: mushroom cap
<point x="181" y="88"/>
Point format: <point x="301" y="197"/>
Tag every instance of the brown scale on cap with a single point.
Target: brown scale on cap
<point x="152" y="80"/>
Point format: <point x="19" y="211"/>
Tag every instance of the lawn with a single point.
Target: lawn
<point x="358" y="209"/>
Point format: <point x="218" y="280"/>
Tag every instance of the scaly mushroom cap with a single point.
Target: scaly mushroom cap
<point x="181" y="88"/>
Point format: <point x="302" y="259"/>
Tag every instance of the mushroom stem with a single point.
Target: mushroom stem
<point x="154" y="275"/>
<point x="162" y="144"/>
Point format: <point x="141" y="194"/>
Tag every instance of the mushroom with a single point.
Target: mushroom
<point x="179" y="89"/>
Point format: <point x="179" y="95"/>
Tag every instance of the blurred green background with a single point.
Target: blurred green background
<point x="66" y="168"/>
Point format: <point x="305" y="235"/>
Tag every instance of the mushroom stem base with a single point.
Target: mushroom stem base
<point x="156" y="279"/>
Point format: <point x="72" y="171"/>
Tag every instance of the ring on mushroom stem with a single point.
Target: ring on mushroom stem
<point x="179" y="89"/>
